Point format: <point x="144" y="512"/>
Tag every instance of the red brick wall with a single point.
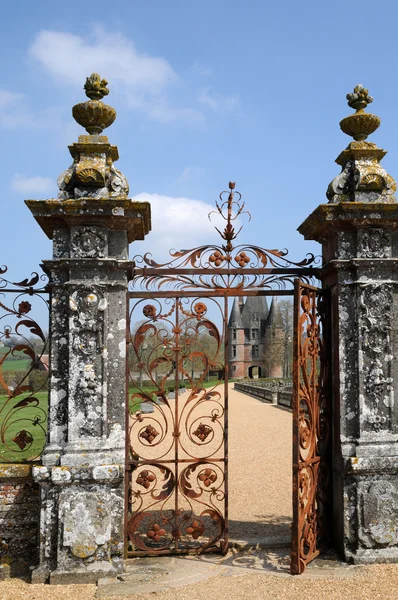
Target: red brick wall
<point x="19" y="520"/>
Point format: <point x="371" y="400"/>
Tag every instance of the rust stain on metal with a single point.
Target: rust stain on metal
<point x="311" y="426"/>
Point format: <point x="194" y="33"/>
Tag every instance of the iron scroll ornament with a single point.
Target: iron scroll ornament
<point x="23" y="411"/>
<point x="176" y="450"/>
<point x="224" y="266"/>
<point x="311" y="426"/>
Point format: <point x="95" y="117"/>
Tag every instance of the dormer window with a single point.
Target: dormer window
<point x="254" y="334"/>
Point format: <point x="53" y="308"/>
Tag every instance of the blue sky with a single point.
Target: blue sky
<point x="206" y="92"/>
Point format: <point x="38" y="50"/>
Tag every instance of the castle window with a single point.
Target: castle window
<point x="254" y="334"/>
<point x="234" y="334"/>
<point x="255" y="352"/>
<point x="234" y="351"/>
<point x="234" y="367"/>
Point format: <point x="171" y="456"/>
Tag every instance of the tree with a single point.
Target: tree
<point x="279" y="340"/>
<point x="286" y="311"/>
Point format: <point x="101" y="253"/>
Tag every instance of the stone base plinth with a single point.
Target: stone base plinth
<point x="99" y="570"/>
<point x="82" y="523"/>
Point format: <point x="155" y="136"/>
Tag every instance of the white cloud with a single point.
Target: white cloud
<point x="69" y="58"/>
<point x="198" y="68"/>
<point x="15" y="113"/>
<point x="177" y="223"/>
<point x="190" y="173"/>
<point x="13" y="110"/>
<point x="219" y="102"/>
<point x="32" y="186"/>
<point x="146" y="81"/>
<point x="166" y="114"/>
<point x="8" y="98"/>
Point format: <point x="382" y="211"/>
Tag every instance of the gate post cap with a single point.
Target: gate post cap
<point x="362" y="178"/>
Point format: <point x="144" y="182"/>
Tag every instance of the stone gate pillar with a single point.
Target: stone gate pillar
<point x="81" y="478"/>
<point x="358" y="230"/>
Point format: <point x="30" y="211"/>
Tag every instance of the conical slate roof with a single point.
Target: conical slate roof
<point x="254" y="311"/>
<point x="235" y="318"/>
<point x="274" y="318"/>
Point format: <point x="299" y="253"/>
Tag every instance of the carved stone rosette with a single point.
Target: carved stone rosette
<point x="374" y="243"/>
<point x="89" y="241"/>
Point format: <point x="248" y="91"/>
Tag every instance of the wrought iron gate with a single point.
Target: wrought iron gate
<point x="178" y="435"/>
<point x="311" y="425"/>
<point x="177" y="442"/>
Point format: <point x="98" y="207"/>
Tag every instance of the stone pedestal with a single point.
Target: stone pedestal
<point x="360" y="251"/>
<point x="82" y="472"/>
<point x="358" y="230"/>
<point x="360" y="248"/>
<point x="83" y="463"/>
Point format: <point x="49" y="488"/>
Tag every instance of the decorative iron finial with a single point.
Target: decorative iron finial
<point x="96" y="87"/>
<point x="94" y="115"/>
<point x="234" y="208"/>
<point x="361" y="124"/>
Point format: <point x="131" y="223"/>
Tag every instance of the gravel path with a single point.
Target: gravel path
<point x="260" y="506"/>
<point x="260" y="468"/>
<point x="365" y="583"/>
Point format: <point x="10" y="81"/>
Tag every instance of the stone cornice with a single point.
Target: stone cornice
<point x="329" y="218"/>
<point x="117" y="213"/>
<point x="107" y="265"/>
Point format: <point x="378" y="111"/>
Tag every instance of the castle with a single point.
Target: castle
<point x="256" y="338"/>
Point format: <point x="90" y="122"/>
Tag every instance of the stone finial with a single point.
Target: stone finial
<point x="93" y="173"/>
<point x="361" y="124"/>
<point x="96" y="87"/>
<point x="360" y="98"/>
<point x="362" y="178"/>
<point x="94" y="115"/>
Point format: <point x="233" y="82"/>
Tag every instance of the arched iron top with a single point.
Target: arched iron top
<point x="224" y="266"/>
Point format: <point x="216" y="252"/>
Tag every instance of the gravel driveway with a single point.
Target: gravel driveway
<point x="260" y="506"/>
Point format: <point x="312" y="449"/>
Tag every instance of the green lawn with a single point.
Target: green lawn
<point x="21" y="366"/>
<point x="13" y="364"/>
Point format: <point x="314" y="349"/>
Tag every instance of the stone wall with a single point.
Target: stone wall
<point x="281" y="397"/>
<point x="19" y="520"/>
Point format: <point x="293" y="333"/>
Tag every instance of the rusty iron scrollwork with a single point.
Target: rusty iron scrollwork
<point x="311" y="426"/>
<point x="23" y="368"/>
<point x="176" y="450"/>
<point x="224" y="267"/>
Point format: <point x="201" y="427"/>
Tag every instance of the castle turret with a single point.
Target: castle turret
<point x="246" y="335"/>
<point x="274" y="339"/>
<point x="236" y="340"/>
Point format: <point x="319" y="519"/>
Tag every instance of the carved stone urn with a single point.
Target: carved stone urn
<point x="94" y="115"/>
